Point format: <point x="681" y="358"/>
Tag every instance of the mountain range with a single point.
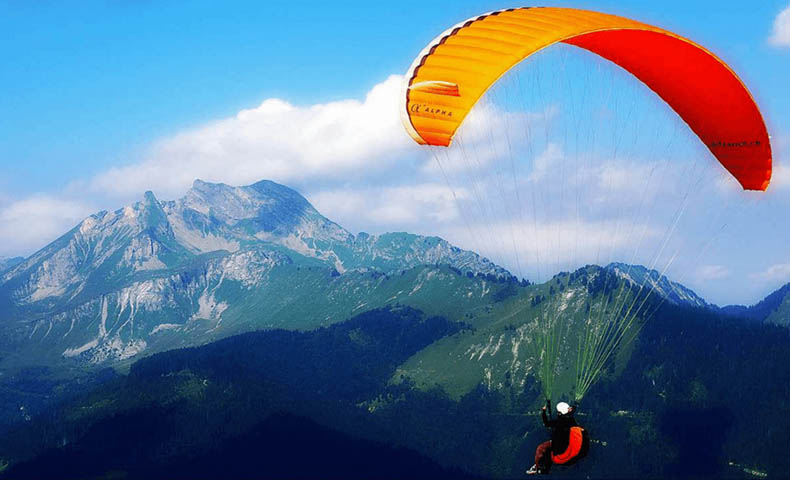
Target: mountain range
<point x="222" y="260"/>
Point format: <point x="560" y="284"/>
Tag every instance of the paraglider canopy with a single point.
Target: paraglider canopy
<point x="459" y="66"/>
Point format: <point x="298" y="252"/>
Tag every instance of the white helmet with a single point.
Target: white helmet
<point x="563" y="408"/>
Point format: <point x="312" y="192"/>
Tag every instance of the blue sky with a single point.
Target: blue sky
<point x="91" y="88"/>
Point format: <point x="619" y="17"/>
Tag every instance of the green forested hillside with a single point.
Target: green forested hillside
<point x="692" y="399"/>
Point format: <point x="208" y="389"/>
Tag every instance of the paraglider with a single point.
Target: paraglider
<point x="463" y="64"/>
<point x="569" y="442"/>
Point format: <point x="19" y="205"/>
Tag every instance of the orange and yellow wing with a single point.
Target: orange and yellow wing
<point x="456" y="69"/>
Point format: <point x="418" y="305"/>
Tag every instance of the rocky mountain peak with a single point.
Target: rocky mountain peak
<point x="152" y="215"/>
<point x="125" y="281"/>
<point x="109" y="249"/>
<point x="264" y="205"/>
<point x="659" y="284"/>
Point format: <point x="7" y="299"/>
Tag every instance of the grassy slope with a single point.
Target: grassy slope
<point x="500" y="350"/>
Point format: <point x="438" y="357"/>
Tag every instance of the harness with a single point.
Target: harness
<point x="578" y="445"/>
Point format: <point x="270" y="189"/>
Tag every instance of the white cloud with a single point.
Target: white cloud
<point x="781" y="33"/>
<point x="543" y="249"/>
<point x="780" y="177"/>
<point x="712" y="272"/>
<point x="775" y="273"/>
<point x="290" y="144"/>
<point x="405" y="207"/>
<point x="547" y="161"/>
<point x="26" y="225"/>
<point x="490" y="138"/>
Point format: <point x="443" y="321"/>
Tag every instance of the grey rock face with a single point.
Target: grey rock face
<point x="120" y="282"/>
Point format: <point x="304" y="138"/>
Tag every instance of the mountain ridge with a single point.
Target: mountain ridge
<point x="219" y="260"/>
<point x="222" y="260"/>
<point x="7" y="263"/>
<point x="774" y="308"/>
